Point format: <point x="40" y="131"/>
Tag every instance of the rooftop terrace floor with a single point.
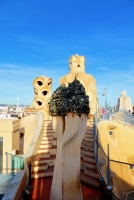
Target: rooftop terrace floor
<point x="42" y="187"/>
<point x="5" y="180"/>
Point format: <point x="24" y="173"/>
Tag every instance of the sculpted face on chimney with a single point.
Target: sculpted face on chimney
<point x="77" y="64"/>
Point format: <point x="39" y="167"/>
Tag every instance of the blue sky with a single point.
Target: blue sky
<point x="38" y="37"/>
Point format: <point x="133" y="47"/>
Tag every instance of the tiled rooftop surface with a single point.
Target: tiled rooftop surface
<point x="42" y="187"/>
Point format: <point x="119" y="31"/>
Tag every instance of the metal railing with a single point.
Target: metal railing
<point x="14" y="163"/>
<point x="120" y="115"/>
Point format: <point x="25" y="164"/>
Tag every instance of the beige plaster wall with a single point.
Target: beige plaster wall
<point x="15" y="140"/>
<point x="9" y="124"/>
<point x="121" y="145"/>
<point x="9" y="130"/>
<point x="28" y="122"/>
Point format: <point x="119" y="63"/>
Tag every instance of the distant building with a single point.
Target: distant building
<point x="4" y="108"/>
<point x="124" y="102"/>
<point x="19" y="109"/>
<point x="28" y="111"/>
<point x="9" y="139"/>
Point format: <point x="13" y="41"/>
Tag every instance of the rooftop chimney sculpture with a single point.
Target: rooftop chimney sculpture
<point x="42" y="93"/>
<point x="77" y="69"/>
<point x="69" y="107"/>
<point x="124" y="102"/>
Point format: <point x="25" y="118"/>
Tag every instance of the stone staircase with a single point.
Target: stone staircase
<point x="43" y="166"/>
<point x="89" y="172"/>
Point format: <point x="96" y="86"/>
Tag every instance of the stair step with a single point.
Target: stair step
<point x="52" y="157"/>
<point x="42" y="146"/>
<point x="49" y="142"/>
<point x="88" y="165"/>
<point x="88" y="153"/>
<point x="46" y="141"/>
<point x="90" y="123"/>
<point x="47" y="121"/>
<point x="89" y="180"/>
<point x="48" y="128"/>
<point x="43" y="173"/>
<point x="41" y="166"/>
<point x="88" y="144"/>
<point x="90" y="129"/>
<point x="89" y="136"/>
<point x="88" y="139"/>
<point x="91" y="140"/>
<point x="43" y="155"/>
<point x="50" y="160"/>
<point x="91" y="172"/>
<point x="50" y="169"/>
<point x="48" y="131"/>
<point x="52" y="150"/>
<point x="53" y="147"/>
<point x="49" y="125"/>
<point x="89" y="159"/>
<point x="48" y="137"/>
<point x="88" y="148"/>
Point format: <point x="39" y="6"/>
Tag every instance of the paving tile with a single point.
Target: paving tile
<point x="42" y="187"/>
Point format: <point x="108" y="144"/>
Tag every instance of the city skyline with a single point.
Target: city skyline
<point x="39" y="38"/>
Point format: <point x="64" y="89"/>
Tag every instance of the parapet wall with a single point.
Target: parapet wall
<point x="29" y="123"/>
<point x="34" y="143"/>
<point x="120" y="138"/>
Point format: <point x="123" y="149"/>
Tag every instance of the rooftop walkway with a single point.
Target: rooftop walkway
<point x="42" y="187"/>
<point x="5" y="180"/>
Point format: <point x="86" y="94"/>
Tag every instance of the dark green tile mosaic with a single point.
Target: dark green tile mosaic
<point x="69" y="99"/>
